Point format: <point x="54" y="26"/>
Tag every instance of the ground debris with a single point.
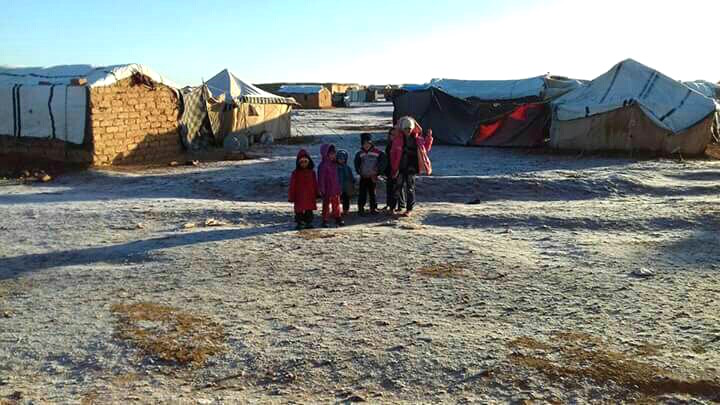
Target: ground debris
<point x="212" y="222"/>
<point x="313" y="234"/>
<point x="643" y="273"/>
<point x="444" y="270"/>
<point x="568" y="358"/>
<point x="168" y="334"/>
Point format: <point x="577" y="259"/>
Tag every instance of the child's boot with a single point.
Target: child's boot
<point x="325" y="224"/>
<point x="339" y="222"/>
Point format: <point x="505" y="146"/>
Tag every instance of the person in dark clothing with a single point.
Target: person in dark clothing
<point x="347" y="180"/>
<point x="409" y="157"/>
<point x="303" y="190"/>
<point x="392" y="203"/>
<point x="369" y="163"/>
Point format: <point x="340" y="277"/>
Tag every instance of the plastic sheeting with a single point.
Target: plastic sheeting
<point x="668" y="103"/>
<point x="48" y="112"/>
<point x="226" y="85"/>
<point x="705" y="88"/>
<point x="492" y="89"/>
<point x="63" y="74"/>
<point x="533" y="89"/>
<point x="454" y="121"/>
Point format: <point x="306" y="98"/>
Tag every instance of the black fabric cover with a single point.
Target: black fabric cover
<point x="454" y="121"/>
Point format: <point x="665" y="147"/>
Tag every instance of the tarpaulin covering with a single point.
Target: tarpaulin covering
<point x="705" y="88"/>
<point x="526" y="126"/>
<point x="668" y="103"/>
<point x="533" y="89"/>
<point x="455" y="121"/>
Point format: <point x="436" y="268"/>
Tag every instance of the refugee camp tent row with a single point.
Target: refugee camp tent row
<point x="225" y="104"/>
<point x="88" y="115"/>
<point x="126" y="113"/>
<point x="308" y="96"/>
<point x="507" y="113"/>
<point x="634" y="108"/>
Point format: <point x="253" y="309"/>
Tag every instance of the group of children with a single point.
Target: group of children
<point x="405" y="156"/>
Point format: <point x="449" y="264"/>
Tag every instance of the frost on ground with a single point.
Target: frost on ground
<point x="521" y="277"/>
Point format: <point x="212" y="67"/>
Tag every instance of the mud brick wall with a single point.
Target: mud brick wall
<point x="133" y="124"/>
<point x="32" y="150"/>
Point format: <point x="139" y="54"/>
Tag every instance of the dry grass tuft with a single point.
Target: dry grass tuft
<point x="443" y="270"/>
<point x="575" y="363"/>
<point x="168" y="334"/>
<point x="313" y="234"/>
<point x="648" y="350"/>
<point x="525" y="342"/>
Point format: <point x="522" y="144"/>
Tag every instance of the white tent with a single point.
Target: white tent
<point x="234" y="106"/>
<point x="633" y="107"/>
<point x="541" y="87"/>
<point x="226" y="84"/>
<point x="668" y="103"/>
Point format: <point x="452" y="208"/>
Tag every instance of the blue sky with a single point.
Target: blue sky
<point x="367" y="41"/>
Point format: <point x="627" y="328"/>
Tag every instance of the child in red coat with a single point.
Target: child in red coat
<point x="303" y="190"/>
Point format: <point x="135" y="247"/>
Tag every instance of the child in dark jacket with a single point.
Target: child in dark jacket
<point x="369" y="164"/>
<point x="303" y="190"/>
<point x="392" y="201"/>
<point x="347" y="180"/>
<point x="329" y="186"/>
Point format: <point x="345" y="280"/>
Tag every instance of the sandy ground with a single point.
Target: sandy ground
<point x="511" y="283"/>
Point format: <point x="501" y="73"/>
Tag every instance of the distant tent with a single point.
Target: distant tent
<point x="633" y="107"/>
<point x="510" y="113"/>
<point x="225" y="104"/>
<point x="308" y="95"/>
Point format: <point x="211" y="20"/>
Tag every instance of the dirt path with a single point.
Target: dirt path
<point x="513" y="282"/>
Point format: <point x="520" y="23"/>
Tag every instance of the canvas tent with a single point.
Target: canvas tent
<point x="225" y="104"/>
<point x="511" y="113"/>
<point x="633" y="107"/>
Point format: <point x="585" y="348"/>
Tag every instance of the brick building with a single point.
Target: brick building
<point x="123" y="114"/>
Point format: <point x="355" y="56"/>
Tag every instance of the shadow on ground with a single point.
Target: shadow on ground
<point x="131" y="252"/>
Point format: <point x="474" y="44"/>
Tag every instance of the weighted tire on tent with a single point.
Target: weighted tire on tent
<point x="266" y="138"/>
<point x="236" y="143"/>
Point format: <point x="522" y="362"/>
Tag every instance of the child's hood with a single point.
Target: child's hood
<point x="325" y="150"/>
<point x="304" y="153"/>
<point x="343" y="155"/>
